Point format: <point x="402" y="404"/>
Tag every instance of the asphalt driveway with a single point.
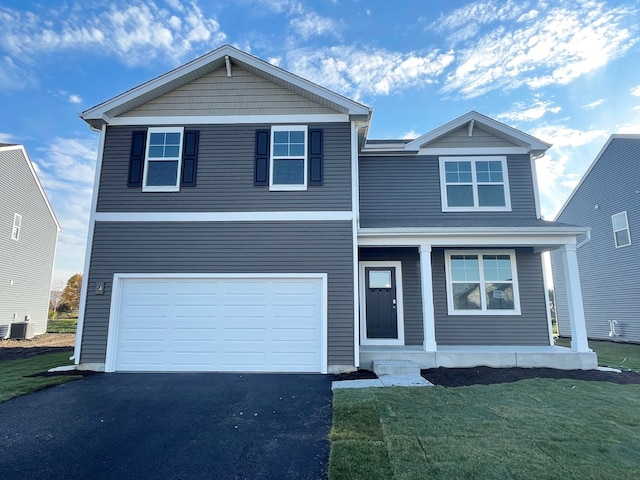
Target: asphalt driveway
<point x="170" y="426"/>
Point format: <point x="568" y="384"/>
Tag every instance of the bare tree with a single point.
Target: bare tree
<point x="55" y="298"/>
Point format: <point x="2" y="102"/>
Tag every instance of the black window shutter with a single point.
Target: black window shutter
<point x="315" y="157"/>
<point x="189" y="158"/>
<point x="261" y="172"/>
<point x="136" y="159"/>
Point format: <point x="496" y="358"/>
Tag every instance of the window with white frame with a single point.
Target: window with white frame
<point x="621" y="233"/>
<point x="17" y="223"/>
<point x="288" y="169"/>
<point x="482" y="282"/>
<point x="163" y="159"/>
<point x="474" y="183"/>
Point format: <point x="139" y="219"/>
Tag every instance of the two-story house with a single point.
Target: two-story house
<point x="607" y="199"/>
<point x="242" y="221"/>
<point x="28" y="236"/>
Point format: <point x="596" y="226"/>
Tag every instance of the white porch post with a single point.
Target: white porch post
<point x="574" y="299"/>
<point x="428" y="315"/>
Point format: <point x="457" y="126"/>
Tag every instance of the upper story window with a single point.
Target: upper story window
<point x="162" y="163"/>
<point x="17" y="223"/>
<point x="482" y="282"/>
<point x="474" y="184"/>
<point x="288" y="158"/>
<point x="621" y="233"/>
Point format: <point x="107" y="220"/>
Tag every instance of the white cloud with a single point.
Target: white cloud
<point x="557" y="46"/>
<point x="75" y="99"/>
<point x="410" y="135"/>
<point x="358" y="72"/>
<point x="134" y="31"/>
<point x="7" y="138"/>
<point x="635" y="91"/>
<point x="529" y="111"/>
<point x="562" y="136"/>
<point x="314" y="25"/>
<point x="66" y="169"/>
<point x="592" y="105"/>
<point x="14" y="76"/>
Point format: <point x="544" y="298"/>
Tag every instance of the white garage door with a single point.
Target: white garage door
<point x="218" y="324"/>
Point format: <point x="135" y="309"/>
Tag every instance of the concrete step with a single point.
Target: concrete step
<point x="395" y="367"/>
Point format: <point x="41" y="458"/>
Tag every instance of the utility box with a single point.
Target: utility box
<point x="21" y="330"/>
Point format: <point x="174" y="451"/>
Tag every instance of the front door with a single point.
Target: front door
<point x="382" y="318"/>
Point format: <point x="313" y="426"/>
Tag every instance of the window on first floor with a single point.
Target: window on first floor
<point x="163" y="159"/>
<point x="482" y="282"/>
<point x="17" y="223"/>
<point x="621" y="233"/>
<point x="474" y="184"/>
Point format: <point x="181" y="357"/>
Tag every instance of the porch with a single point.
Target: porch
<point x="480" y="355"/>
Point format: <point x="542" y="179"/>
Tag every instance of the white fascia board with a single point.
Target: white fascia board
<point x="229" y="119"/>
<point x="541" y="237"/>
<point x="524" y="139"/>
<point x="354" y="108"/>
<point x="37" y="180"/>
<point x="311" y="216"/>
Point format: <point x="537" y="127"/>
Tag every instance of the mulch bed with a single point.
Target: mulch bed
<point x="458" y="377"/>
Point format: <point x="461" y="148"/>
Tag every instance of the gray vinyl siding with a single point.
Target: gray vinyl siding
<point x="460" y="139"/>
<point x="529" y="328"/>
<point x="411" y="287"/>
<point x="27" y="262"/>
<point x="215" y="247"/>
<point x="609" y="276"/>
<point x="225" y="175"/>
<point x="405" y="191"/>
<point x="216" y="94"/>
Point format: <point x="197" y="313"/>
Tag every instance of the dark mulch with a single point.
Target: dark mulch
<point x="357" y="375"/>
<point x="458" y="377"/>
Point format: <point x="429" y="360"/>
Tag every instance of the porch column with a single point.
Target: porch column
<point x="574" y="299"/>
<point x="426" y="282"/>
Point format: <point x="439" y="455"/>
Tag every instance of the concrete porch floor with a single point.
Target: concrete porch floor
<point x="465" y="356"/>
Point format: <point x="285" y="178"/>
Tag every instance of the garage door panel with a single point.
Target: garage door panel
<point x="220" y="324"/>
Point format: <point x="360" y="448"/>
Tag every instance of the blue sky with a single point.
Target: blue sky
<point x="564" y="71"/>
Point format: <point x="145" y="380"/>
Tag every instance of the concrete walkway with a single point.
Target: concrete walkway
<point x="384" y="381"/>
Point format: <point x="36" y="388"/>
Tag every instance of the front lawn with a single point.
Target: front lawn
<point x="532" y="429"/>
<point x="16" y="379"/>
<point x="62" y="325"/>
<point x="612" y="354"/>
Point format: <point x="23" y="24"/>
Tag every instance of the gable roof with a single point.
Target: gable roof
<point x="102" y="113"/>
<point x="10" y="147"/>
<point x="528" y="142"/>
<point x="630" y="136"/>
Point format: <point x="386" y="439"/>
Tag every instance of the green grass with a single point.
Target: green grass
<point x="532" y="429"/>
<point x="14" y="374"/>
<point x="612" y="354"/>
<point x="62" y="325"/>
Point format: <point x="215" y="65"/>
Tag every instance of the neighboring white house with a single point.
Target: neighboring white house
<point x="607" y="199"/>
<point x="28" y="236"/>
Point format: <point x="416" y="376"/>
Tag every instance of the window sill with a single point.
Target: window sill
<point x="484" y="312"/>
<point x="161" y="189"/>
<point x="287" y="188"/>
<point x="475" y="209"/>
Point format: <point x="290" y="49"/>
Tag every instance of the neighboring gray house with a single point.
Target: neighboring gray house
<point x="28" y="236"/>
<point x="607" y="199"/>
<point x="242" y="221"/>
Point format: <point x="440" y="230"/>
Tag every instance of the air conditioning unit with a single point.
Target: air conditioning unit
<point x="4" y="331"/>
<point x="22" y="330"/>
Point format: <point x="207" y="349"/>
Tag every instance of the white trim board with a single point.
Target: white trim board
<point x="343" y="215"/>
<point x="363" y="303"/>
<point x="114" y="308"/>
<point x="229" y="119"/>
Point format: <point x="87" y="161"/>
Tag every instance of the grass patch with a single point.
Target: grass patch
<point x="15" y="379"/>
<point x="532" y="429"/>
<point x="62" y="325"/>
<point x="612" y="354"/>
